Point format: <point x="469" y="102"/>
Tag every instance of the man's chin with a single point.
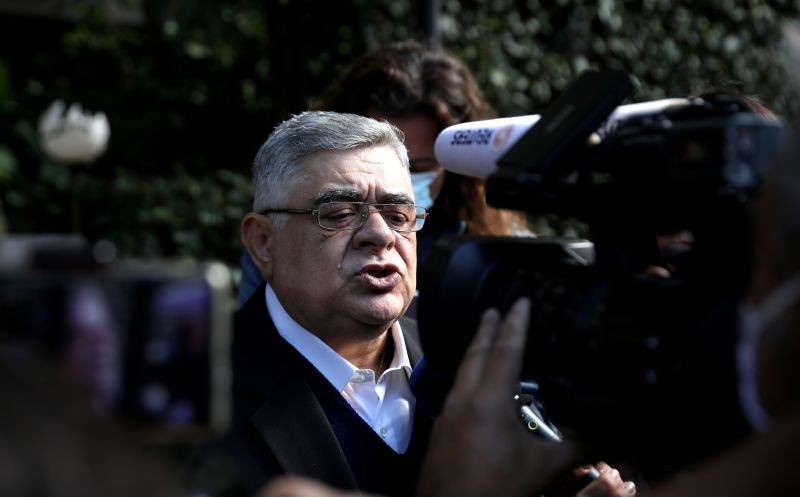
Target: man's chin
<point x="381" y="312"/>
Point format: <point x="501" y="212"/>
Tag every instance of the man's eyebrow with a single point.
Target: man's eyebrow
<point x="396" y="198"/>
<point x="337" y="195"/>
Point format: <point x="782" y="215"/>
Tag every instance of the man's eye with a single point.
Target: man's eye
<point x="339" y="217"/>
<point x="395" y="217"/>
<point x="341" y="214"/>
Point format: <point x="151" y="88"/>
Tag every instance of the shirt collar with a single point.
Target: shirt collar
<point x="400" y="359"/>
<point x="335" y="368"/>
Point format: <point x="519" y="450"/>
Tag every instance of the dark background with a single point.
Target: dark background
<point x="192" y="89"/>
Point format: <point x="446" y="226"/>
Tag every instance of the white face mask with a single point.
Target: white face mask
<point x="752" y="321"/>
<point x="421" y="183"/>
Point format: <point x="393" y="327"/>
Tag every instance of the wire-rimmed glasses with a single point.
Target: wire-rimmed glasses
<point x="344" y="216"/>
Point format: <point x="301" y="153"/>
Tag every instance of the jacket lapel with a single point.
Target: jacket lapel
<point x="290" y="420"/>
<point x="295" y="428"/>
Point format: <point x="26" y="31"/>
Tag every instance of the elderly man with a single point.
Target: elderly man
<point x="321" y="363"/>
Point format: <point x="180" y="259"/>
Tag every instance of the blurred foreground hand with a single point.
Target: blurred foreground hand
<point x="297" y="486"/>
<point x="479" y="446"/>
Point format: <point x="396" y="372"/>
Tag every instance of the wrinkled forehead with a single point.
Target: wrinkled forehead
<point x="384" y="154"/>
<point x="369" y="172"/>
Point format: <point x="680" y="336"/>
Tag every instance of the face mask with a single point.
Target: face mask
<point x="752" y="320"/>
<point x="421" y="183"/>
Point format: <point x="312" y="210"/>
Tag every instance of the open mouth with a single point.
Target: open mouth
<point x="380" y="278"/>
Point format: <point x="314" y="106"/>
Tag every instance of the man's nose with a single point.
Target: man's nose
<point x="375" y="232"/>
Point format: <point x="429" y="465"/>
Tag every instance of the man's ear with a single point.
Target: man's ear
<point x="258" y="233"/>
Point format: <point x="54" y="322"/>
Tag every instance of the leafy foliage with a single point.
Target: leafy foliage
<point x="527" y="52"/>
<point x="193" y="89"/>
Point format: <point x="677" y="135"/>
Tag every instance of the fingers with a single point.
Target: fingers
<point x="470" y="371"/>
<point x="505" y="363"/>
<point x="609" y="483"/>
<point x="495" y="356"/>
<point x="294" y="486"/>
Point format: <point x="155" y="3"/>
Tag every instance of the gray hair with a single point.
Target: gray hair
<point x="278" y="166"/>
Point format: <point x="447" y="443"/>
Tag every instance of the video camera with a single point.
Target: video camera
<point x="637" y="364"/>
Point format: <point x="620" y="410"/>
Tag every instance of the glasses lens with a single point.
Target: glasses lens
<point x="400" y="217"/>
<point x="340" y="216"/>
<point x="352" y="215"/>
<point x="420" y="214"/>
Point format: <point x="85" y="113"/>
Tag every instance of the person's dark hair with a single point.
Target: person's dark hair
<point x="409" y="78"/>
<point x="742" y="103"/>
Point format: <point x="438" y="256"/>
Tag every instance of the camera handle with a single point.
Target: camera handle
<point x="536" y="423"/>
<point x="533" y="421"/>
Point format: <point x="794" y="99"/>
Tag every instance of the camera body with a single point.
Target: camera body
<point x="640" y="365"/>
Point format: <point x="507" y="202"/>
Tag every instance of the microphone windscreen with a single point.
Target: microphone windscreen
<point x="472" y="148"/>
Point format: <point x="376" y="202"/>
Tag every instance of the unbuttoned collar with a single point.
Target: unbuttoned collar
<point x="335" y="368"/>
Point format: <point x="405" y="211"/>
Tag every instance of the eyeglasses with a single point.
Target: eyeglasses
<point x="344" y="216"/>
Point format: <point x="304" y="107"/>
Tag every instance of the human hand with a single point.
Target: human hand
<point x="608" y="484"/>
<point x="478" y="445"/>
<point x="298" y="486"/>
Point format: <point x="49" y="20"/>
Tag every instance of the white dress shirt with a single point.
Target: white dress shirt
<point x="387" y="405"/>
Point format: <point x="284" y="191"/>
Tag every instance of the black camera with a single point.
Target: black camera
<point x="636" y="363"/>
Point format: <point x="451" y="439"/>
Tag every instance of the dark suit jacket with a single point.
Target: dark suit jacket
<point x="278" y="425"/>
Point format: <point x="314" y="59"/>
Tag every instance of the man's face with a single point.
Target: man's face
<point x="335" y="281"/>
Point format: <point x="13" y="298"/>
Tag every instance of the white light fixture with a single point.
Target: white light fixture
<point x="74" y="137"/>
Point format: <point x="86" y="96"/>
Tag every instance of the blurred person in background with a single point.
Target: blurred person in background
<point x="421" y="89"/>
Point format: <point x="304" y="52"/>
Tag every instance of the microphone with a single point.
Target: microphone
<point x="473" y="148"/>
